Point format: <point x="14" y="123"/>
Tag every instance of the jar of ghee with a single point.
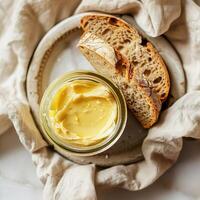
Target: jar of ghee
<point x="82" y="113"/>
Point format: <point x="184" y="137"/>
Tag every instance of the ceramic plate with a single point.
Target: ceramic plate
<point x="57" y="54"/>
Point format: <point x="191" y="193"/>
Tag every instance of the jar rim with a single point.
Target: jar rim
<point x="92" y="149"/>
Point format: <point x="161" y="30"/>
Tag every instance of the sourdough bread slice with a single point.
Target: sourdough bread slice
<point x="146" y="65"/>
<point x="111" y="63"/>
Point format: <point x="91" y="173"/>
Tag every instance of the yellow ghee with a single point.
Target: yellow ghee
<point x="83" y="113"/>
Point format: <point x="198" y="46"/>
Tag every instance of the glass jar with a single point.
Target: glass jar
<point x="103" y="145"/>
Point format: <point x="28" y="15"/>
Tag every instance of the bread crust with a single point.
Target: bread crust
<point x="163" y="92"/>
<point x="155" y="53"/>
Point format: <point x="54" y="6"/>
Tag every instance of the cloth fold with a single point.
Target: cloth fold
<point x="24" y="22"/>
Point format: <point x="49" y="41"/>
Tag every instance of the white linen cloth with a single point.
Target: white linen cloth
<point x="24" y="22"/>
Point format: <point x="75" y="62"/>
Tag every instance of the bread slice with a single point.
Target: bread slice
<point x="111" y="63"/>
<point x="146" y="65"/>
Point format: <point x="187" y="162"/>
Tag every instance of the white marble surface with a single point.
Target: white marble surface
<point x="18" y="179"/>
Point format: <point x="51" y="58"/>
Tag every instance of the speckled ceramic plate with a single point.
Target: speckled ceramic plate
<point x="56" y="54"/>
